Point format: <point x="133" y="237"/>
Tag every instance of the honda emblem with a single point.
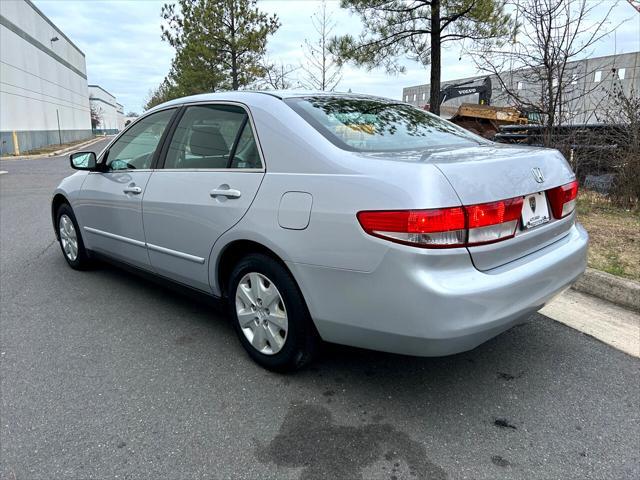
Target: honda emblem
<point x="537" y="174"/>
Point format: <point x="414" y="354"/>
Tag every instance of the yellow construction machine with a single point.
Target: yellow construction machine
<point x="481" y="118"/>
<point x="486" y="120"/>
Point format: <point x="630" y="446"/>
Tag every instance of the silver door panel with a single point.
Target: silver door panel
<point x="110" y="211"/>
<point x="184" y="215"/>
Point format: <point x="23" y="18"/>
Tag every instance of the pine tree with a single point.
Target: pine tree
<point x="418" y="29"/>
<point x="219" y="44"/>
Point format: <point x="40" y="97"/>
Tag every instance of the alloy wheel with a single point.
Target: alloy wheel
<point x="68" y="237"/>
<point x="261" y="313"/>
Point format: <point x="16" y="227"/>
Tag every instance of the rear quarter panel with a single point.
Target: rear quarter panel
<point x="299" y="159"/>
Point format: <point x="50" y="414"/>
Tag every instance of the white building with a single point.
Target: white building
<point x="109" y="112"/>
<point x="121" y="116"/>
<point x="129" y="119"/>
<point x="589" y="87"/>
<point x="43" y="82"/>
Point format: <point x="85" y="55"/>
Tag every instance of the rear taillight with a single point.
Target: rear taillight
<point x="491" y="222"/>
<point x="563" y="199"/>
<point x="446" y="227"/>
<point x="443" y="227"/>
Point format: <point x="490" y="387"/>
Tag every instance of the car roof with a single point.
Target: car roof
<point x="310" y="93"/>
<point x="258" y="97"/>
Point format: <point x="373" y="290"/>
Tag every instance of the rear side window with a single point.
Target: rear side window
<point x="207" y="137"/>
<point x="246" y="154"/>
<point x="377" y="125"/>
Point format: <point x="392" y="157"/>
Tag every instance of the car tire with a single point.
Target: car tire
<point x="67" y="229"/>
<point x="262" y="336"/>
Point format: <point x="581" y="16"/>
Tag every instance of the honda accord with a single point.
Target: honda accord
<point x="339" y="217"/>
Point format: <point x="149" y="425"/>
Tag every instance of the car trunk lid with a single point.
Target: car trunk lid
<point x="495" y="172"/>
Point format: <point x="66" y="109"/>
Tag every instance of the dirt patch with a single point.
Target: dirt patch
<point x="499" y="461"/>
<point x="310" y="439"/>
<point x="614" y="245"/>
<point x="184" y="340"/>
<point x="504" y="423"/>
<point x="509" y="376"/>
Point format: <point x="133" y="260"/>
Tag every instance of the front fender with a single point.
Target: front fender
<point x="69" y="190"/>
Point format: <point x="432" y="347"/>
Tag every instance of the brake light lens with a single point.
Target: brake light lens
<point x="442" y="227"/>
<point x="563" y="199"/>
<point x="492" y="222"/>
<point x="446" y="227"/>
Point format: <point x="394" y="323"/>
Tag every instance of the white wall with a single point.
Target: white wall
<point x="36" y="87"/>
<point x="129" y="119"/>
<point x="121" y="116"/>
<point x="112" y="116"/>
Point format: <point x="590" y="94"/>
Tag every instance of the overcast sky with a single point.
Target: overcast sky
<point x="125" y="55"/>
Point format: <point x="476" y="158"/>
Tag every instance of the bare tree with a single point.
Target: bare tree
<point x="321" y="68"/>
<point x="95" y="113"/>
<point x="622" y="114"/>
<point x="277" y="76"/>
<point x="535" y="70"/>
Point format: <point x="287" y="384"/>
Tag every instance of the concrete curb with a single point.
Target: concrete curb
<point x="75" y="147"/>
<point x="57" y="152"/>
<point x="621" y="291"/>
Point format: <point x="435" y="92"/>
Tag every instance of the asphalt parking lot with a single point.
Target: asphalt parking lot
<point x="104" y="374"/>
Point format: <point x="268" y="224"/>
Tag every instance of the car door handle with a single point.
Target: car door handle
<point x="134" y="190"/>
<point x="225" y="192"/>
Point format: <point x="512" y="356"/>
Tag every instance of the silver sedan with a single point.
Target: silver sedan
<point x="339" y="217"/>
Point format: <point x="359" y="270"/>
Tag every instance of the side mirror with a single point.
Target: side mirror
<point x="83" y="161"/>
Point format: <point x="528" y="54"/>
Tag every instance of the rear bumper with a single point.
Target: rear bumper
<point x="433" y="303"/>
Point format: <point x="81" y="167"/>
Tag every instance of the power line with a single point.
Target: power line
<point x="44" y="94"/>
<point x="41" y="78"/>
<point x="41" y="100"/>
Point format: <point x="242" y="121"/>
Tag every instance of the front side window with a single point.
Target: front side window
<point x="377" y="125"/>
<point x="136" y="147"/>
<point x="212" y="136"/>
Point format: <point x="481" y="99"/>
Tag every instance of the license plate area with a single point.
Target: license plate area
<point x="535" y="210"/>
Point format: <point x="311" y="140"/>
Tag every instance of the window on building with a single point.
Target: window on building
<point x="554" y="82"/>
<point x="597" y="76"/>
<point x="574" y="79"/>
<point x="424" y="95"/>
<point x="520" y="85"/>
<point x="414" y="97"/>
<point x="621" y="72"/>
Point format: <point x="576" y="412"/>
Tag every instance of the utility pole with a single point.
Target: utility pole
<point x="59" y="133"/>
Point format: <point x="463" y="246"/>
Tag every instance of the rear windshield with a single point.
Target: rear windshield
<point x="376" y="125"/>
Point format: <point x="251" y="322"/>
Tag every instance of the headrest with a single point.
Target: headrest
<point x="206" y="140"/>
